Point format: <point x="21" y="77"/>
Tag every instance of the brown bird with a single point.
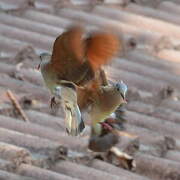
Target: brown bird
<point x="76" y="60"/>
<point x="106" y="101"/>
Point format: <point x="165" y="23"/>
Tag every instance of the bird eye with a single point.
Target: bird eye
<point x="117" y="87"/>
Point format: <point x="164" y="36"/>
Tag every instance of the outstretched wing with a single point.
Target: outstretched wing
<point x="66" y="93"/>
<point x="68" y="57"/>
<point x="101" y="47"/>
<point x="68" y="44"/>
<point x="77" y="59"/>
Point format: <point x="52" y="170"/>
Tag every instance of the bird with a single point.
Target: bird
<point x="106" y="101"/>
<point x="68" y="96"/>
<point x="77" y="59"/>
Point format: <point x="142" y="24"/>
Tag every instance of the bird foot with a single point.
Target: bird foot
<point x="106" y="126"/>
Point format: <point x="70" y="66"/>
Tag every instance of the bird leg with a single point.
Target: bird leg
<point x="57" y="93"/>
<point x="103" y="77"/>
<point x="53" y="102"/>
<point x="106" y="126"/>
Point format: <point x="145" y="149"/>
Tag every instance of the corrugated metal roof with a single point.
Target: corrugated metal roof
<point x="34" y="149"/>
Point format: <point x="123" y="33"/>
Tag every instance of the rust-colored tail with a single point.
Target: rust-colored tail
<point x="101" y="47"/>
<point x="77" y="56"/>
<point x="98" y="48"/>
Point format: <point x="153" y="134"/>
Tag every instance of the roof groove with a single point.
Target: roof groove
<point x="147" y="69"/>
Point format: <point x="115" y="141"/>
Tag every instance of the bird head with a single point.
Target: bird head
<point x="44" y="59"/>
<point x="122" y="89"/>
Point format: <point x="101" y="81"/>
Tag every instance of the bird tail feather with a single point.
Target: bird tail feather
<point x="74" y="121"/>
<point x="101" y="47"/>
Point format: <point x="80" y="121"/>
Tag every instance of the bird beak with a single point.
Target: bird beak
<point x="124" y="99"/>
<point x="38" y="67"/>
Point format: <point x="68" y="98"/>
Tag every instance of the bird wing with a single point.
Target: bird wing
<point x="73" y="119"/>
<point x="66" y="93"/>
<point x="68" y="57"/>
<point x="77" y="59"/>
<point x="100" y="48"/>
<point x="68" y="44"/>
<point x="89" y="92"/>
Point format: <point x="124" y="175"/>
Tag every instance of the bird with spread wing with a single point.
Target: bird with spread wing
<point x="73" y="73"/>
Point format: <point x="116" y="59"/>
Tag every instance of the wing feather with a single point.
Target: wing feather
<point x="68" y="49"/>
<point x="101" y="47"/>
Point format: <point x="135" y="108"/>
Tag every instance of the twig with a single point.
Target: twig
<point x="123" y="133"/>
<point x="17" y="105"/>
<point x="119" y="153"/>
<point x="127" y="160"/>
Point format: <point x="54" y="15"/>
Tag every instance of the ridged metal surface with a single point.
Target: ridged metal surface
<point x="153" y="65"/>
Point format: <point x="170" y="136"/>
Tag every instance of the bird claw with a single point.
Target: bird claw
<point x="106" y="126"/>
<point x="114" y="123"/>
